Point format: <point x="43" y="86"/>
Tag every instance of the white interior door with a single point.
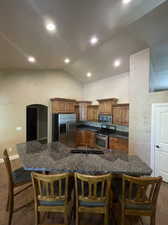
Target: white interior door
<point x="161" y="141"/>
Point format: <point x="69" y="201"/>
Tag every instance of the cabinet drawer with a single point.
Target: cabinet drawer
<point x="118" y="144"/>
<point x="114" y="140"/>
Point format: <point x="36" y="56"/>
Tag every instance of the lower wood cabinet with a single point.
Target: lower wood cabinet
<point x="85" y="138"/>
<point x="118" y="144"/>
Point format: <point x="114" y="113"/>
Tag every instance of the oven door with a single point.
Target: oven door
<point x="102" y="142"/>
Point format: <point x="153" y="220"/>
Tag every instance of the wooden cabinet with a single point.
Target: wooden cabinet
<point x="77" y="112"/>
<point x="91" y="139"/>
<point x="120" y="114"/>
<point x="118" y="144"/>
<point x="83" y="109"/>
<point x="80" y="137"/>
<point x="105" y="105"/>
<point x="85" y="138"/>
<point x="61" y="105"/>
<point x="92" y="112"/>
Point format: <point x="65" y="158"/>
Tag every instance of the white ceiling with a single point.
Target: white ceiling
<point x="122" y="30"/>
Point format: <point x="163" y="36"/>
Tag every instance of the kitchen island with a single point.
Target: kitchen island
<point x="57" y="157"/>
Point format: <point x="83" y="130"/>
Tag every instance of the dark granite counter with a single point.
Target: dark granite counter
<point x="56" y="157"/>
<point x="117" y="134"/>
<point x="82" y="127"/>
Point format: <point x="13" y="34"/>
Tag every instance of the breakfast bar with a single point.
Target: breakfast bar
<point x="56" y="157"/>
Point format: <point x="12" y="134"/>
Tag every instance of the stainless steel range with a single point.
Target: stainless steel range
<point x="102" y="136"/>
<point x="101" y="141"/>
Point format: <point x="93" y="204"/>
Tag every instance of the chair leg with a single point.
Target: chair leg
<point x="122" y="219"/>
<point x="7" y="203"/>
<point x="65" y="218"/>
<point x="77" y="217"/>
<point x="106" y="217"/>
<point x="37" y="217"/>
<point x="10" y="207"/>
<point x="153" y="219"/>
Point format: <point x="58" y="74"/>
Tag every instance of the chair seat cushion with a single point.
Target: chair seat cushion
<point x="21" y="176"/>
<point x="52" y="203"/>
<point x="135" y="206"/>
<point x="138" y="206"/>
<point x="91" y="204"/>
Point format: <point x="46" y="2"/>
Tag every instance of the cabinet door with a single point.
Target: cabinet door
<point x="118" y="144"/>
<point x="90" y="139"/>
<point x="125" y="115"/>
<point x="117" y="115"/>
<point x="77" y="112"/>
<point x="102" y="107"/>
<point x="107" y="107"/>
<point x="69" y="107"/>
<point x="81" y="138"/>
<point x="95" y="114"/>
<point x="58" y="107"/>
<point x="89" y="114"/>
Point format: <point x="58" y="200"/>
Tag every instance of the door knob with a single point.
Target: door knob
<point x="157" y="146"/>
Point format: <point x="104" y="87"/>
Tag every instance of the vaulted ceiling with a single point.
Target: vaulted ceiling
<point x="122" y="30"/>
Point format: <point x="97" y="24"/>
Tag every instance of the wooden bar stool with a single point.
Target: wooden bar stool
<point x="16" y="179"/>
<point x="92" y="195"/>
<point x="53" y="193"/>
<point x="139" y="196"/>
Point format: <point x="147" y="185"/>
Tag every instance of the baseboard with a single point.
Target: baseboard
<point x="12" y="157"/>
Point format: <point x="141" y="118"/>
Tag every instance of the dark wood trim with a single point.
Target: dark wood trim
<point x="93" y="106"/>
<point x="108" y="99"/>
<point x="88" y="102"/>
<point x="120" y="105"/>
<point x="63" y="99"/>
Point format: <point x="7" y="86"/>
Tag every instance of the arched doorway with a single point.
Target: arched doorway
<point x="37" y="123"/>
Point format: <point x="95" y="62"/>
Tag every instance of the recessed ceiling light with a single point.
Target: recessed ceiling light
<point x="94" y="40"/>
<point x="126" y="1"/>
<point x="117" y="62"/>
<point x="66" y="60"/>
<point x="51" y="27"/>
<point x="89" y="74"/>
<point x="31" y="59"/>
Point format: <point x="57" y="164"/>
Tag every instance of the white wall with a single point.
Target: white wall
<point x="114" y="86"/>
<point x="18" y="89"/>
<point x="141" y="105"/>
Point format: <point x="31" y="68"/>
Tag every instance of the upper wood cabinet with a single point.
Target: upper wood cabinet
<point x="77" y="112"/>
<point x="92" y="112"/>
<point x="121" y="114"/>
<point x="62" y="105"/>
<point x="105" y="106"/>
<point x="82" y="109"/>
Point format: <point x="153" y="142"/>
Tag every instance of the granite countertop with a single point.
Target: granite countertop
<point x="117" y="134"/>
<point x="56" y="157"/>
<point x="84" y="127"/>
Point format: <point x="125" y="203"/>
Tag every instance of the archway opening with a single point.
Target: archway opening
<point x="37" y="123"/>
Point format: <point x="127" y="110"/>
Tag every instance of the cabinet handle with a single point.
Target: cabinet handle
<point x="157" y="146"/>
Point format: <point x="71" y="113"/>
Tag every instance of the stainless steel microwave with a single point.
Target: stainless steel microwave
<point x="105" y="118"/>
